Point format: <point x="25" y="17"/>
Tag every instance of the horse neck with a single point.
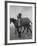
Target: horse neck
<point x="13" y="22"/>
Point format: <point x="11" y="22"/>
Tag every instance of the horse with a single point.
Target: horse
<point x="26" y="23"/>
<point x="15" y="22"/>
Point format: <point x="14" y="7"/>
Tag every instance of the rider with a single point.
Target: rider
<point x="19" y="19"/>
<point x="19" y="22"/>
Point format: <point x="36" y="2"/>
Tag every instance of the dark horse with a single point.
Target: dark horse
<point x="26" y="23"/>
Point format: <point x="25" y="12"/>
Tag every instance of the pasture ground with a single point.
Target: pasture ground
<point x="14" y="36"/>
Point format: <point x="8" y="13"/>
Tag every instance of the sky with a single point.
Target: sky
<point x="26" y="11"/>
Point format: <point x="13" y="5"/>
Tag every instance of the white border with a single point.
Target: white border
<point x="8" y="25"/>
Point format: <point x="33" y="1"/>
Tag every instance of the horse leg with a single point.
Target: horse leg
<point x="19" y="32"/>
<point x="30" y="30"/>
<point x="24" y="29"/>
<point x="15" y="30"/>
<point x="27" y="29"/>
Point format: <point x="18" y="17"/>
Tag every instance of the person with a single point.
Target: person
<point x="19" y="24"/>
<point x="19" y="19"/>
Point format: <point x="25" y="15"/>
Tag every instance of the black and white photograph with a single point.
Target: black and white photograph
<point x="20" y="22"/>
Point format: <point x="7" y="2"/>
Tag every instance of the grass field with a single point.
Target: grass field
<point x="13" y="36"/>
